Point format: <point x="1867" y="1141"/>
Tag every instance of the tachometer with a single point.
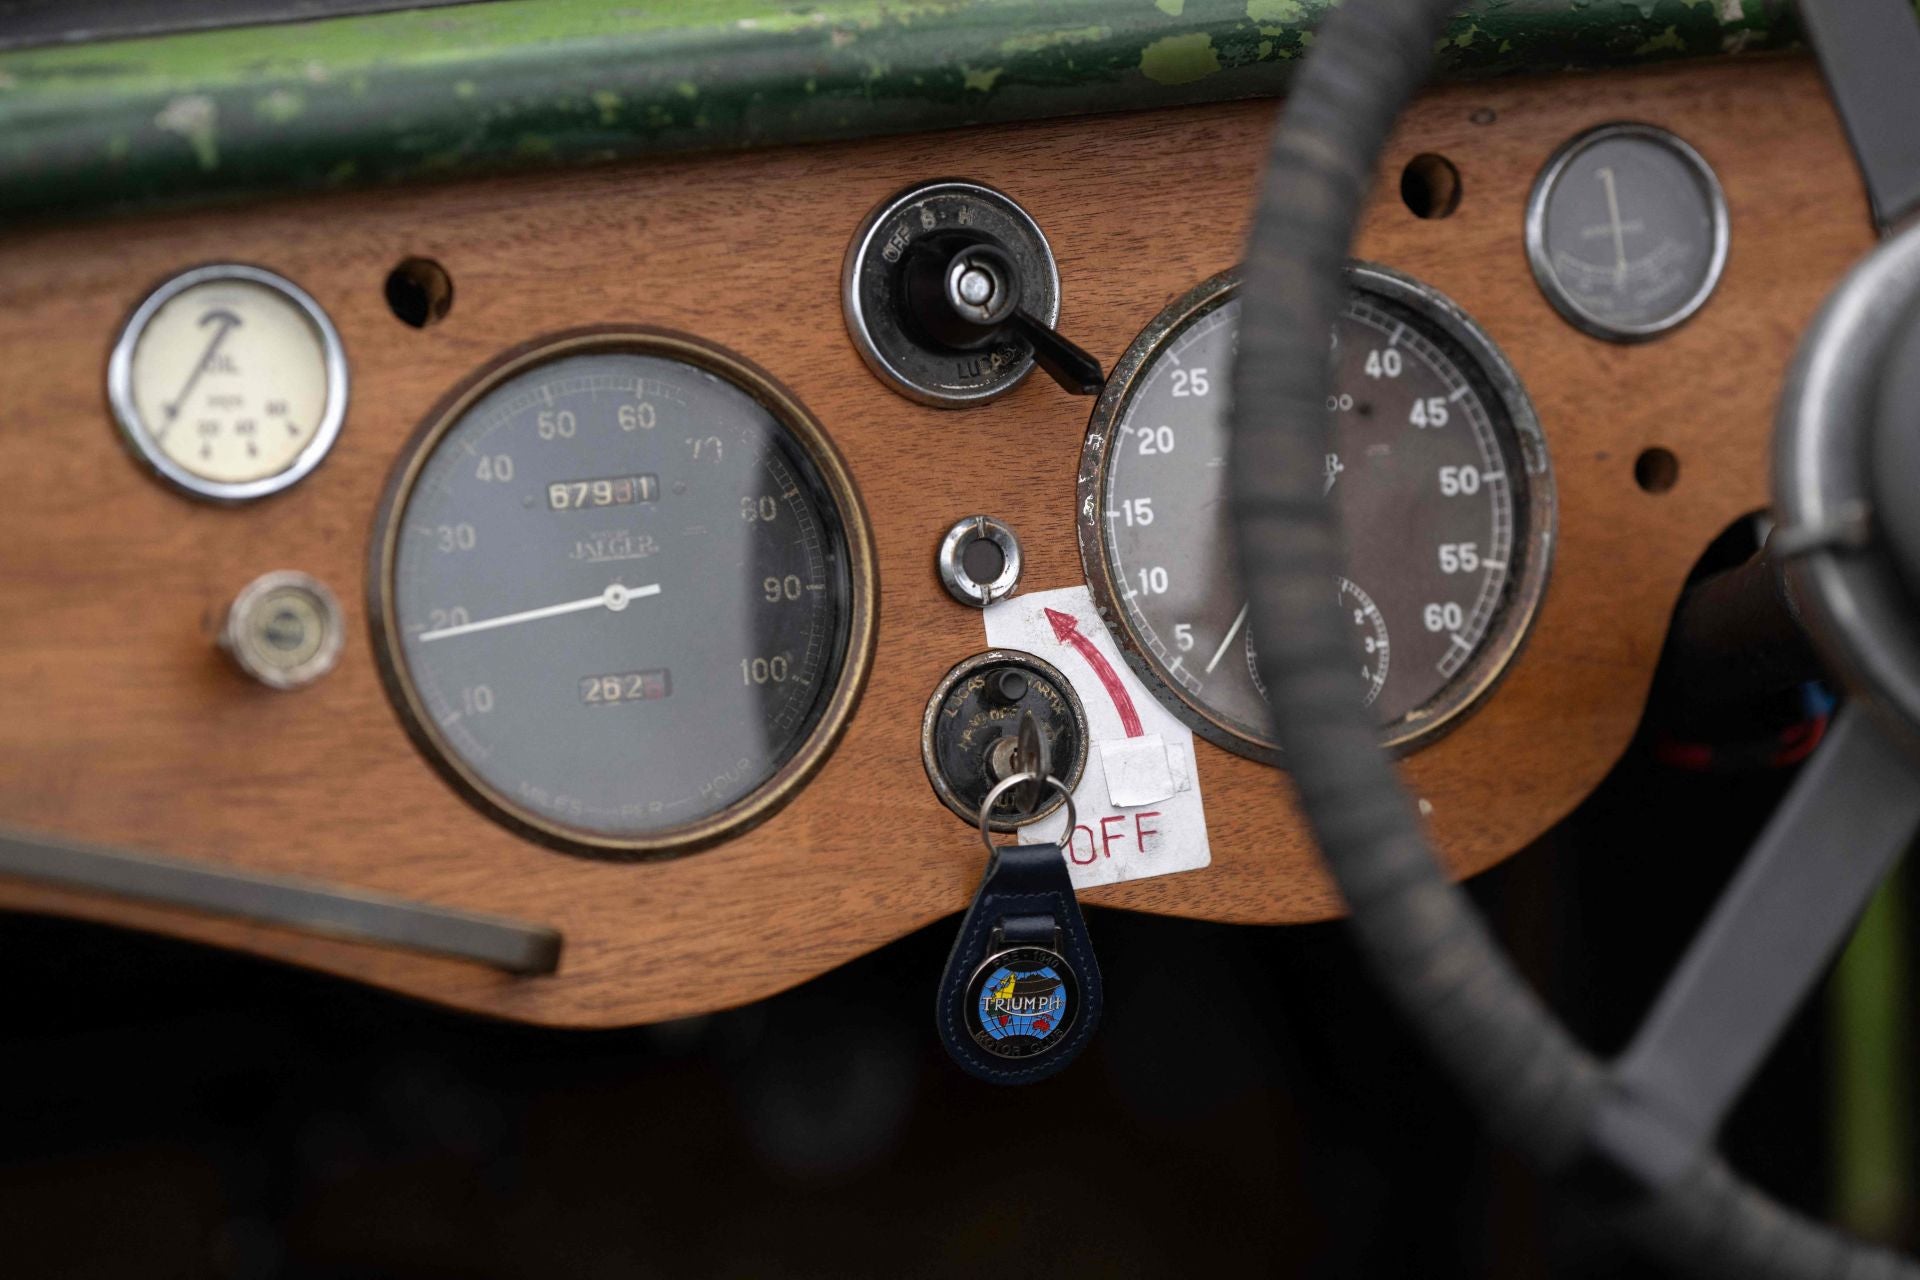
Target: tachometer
<point x="623" y="592"/>
<point x="1438" y="464"/>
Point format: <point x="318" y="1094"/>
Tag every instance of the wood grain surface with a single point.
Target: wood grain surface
<point x="120" y="723"/>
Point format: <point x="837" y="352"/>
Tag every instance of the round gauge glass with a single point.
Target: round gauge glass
<point x="1444" y="489"/>
<point x="623" y="592"/>
<point x="229" y="382"/>
<point x="1627" y="231"/>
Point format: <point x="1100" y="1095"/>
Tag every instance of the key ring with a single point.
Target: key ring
<point x="1013" y="780"/>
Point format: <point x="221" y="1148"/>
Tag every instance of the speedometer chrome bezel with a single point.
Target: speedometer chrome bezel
<point x="1535" y="530"/>
<point x="850" y="680"/>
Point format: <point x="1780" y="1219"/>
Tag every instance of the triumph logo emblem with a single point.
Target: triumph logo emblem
<point x="1021" y="1002"/>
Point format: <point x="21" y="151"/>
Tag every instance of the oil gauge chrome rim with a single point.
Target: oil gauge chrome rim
<point x="143" y="439"/>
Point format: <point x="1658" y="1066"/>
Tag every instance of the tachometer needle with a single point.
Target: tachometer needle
<point x="1234" y="630"/>
<point x="614" y="598"/>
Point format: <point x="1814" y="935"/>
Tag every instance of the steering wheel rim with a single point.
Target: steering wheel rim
<point x="1612" y="1125"/>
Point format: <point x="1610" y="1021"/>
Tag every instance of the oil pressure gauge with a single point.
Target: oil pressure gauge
<point x="1627" y="231"/>
<point x="229" y="382"/>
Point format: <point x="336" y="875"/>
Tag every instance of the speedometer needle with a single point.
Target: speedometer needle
<point x="614" y="598"/>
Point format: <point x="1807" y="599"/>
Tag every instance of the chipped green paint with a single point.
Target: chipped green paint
<point x="1276" y="12"/>
<point x="487" y="87"/>
<point x="1179" y="59"/>
<point x="196" y="118"/>
<point x="1668" y="39"/>
<point x="281" y="105"/>
<point x="1039" y="41"/>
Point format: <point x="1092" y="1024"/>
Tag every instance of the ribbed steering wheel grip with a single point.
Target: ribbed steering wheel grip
<point x="1535" y="1086"/>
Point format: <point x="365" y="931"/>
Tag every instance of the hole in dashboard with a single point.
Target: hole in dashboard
<point x="419" y="292"/>
<point x="1430" y="186"/>
<point x="1656" y="470"/>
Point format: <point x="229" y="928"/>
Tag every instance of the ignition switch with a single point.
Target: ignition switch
<point x="997" y="714"/>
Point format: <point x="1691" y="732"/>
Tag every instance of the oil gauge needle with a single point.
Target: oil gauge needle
<point x="226" y="323"/>
<point x="614" y="598"/>
<point x="1234" y="630"/>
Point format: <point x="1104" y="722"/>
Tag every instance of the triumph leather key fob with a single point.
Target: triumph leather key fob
<point x="1021" y="994"/>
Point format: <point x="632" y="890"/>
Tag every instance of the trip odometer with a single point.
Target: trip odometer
<point x="622" y="592"/>
<point x="1440" y="472"/>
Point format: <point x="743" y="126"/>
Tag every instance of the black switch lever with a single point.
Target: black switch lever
<point x="1077" y="372"/>
<point x="964" y="293"/>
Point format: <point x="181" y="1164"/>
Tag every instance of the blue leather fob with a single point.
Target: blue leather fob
<point x="1021" y="994"/>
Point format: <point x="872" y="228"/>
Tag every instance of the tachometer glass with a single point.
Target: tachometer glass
<point x="624" y="594"/>
<point x="1439" y="470"/>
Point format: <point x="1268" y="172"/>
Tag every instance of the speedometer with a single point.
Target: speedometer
<point x="623" y="592"/>
<point x="1440" y="471"/>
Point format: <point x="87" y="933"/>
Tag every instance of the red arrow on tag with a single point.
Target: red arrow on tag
<point x="1066" y="629"/>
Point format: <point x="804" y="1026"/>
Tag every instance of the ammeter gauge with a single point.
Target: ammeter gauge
<point x="1437" y="463"/>
<point x="229" y="382"/>
<point x="1627" y="231"/>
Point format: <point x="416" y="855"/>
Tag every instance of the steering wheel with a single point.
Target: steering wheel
<point x="1640" y="1129"/>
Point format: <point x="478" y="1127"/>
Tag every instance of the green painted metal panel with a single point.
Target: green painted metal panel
<point x="525" y="83"/>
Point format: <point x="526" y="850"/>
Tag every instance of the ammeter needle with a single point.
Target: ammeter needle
<point x="1619" y="232"/>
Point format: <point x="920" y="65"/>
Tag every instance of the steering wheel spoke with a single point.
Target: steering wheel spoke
<point x="1868" y="50"/>
<point x="1836" y="836"/>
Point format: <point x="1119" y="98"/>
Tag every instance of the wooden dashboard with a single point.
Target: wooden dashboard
<point x="121" y="724"/>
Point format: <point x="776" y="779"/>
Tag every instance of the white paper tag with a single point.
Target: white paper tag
<point x="1138" y="802"/>
<point x="1137" y="770"/>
